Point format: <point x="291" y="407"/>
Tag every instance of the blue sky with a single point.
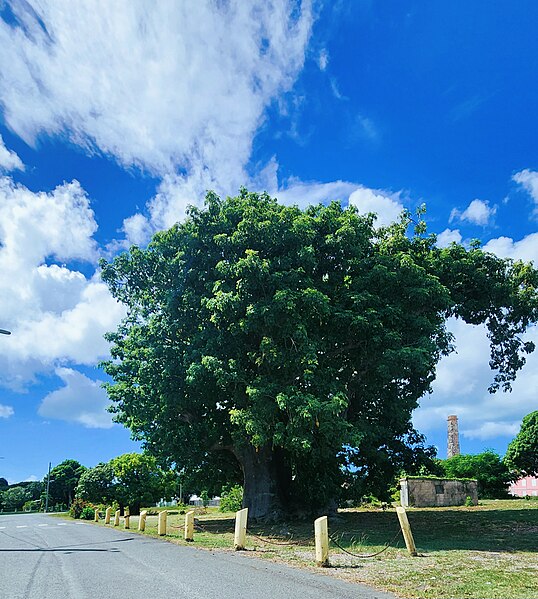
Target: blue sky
<point x="115" y="116"/>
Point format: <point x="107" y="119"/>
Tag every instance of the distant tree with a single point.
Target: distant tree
<point x="63" y="481"/>
<point x="97" y="484"/>
<point x="137" y="481"/>
<point x="14" y="498"/>
<point x="522" y="453"/>
<point x="3" y="484"/>
<point x="488" y="468"/>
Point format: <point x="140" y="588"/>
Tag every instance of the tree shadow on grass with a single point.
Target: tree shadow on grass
<point x="445" y="529"/>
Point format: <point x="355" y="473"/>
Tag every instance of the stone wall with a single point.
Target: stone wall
<point x="436" y="492"/>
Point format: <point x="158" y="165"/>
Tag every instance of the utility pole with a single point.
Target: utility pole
<point x="48" y="487"/>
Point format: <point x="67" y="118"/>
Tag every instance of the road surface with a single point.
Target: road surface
<point x="42" y="557"/>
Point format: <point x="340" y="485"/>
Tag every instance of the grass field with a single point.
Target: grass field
<point x="485" y="552"/>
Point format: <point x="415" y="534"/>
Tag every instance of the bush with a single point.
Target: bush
<point x="487" y="467"/>
<point x="231" y="499"/>
<point x="78" y="505"/>
<point x="88" y="513"/>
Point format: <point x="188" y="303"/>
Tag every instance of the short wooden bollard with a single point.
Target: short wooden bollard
<point x="108" y="513"/>
<point x="321" y="534"/>
<point x="161" y="528"/>
<point x="189" y="526"/>
<point x="127" y="521"/>
<point x="406" y="529"/>
<point x="240" y="536"/>
<point x="117" y="518"/>
<point x="96" y="516"/>
<point x="142" y="521"/>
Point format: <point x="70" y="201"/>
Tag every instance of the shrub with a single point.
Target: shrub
<point x="204" y="496"/>
<point x="231" y="499"/>
<point x="87" y="513"/>
<point x="77" y="507"/>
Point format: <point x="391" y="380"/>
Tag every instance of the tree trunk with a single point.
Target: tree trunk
<point x="261" y="488"/>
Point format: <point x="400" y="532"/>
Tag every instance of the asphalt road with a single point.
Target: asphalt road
<point x="42" y="557"/>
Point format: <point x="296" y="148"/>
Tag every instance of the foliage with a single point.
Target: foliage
<point x="97" y="484"/>
<point x="32" y="505"/>
<point x="204" y="496"/>
<point x="297" y="343"/>
<point x="522" y="453"/>
<point x="63" y="481"/>
<point x="231" y="499"/>
<point x="137" y="480"/>
<point x="3" y="484"/>
<point x="14" y="498"/>
<point x="77" y="505"/>
<point x="487" y="468"/>
<point x="87" y="513"/>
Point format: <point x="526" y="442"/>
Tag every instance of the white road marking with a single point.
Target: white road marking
<point x="22" y="526"/>
<point x="42" y="524"/>
<point x="2" y="527"/>
<point x="62" y="524"/>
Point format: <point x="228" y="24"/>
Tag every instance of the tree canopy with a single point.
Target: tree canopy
<point x="522" y="453"/>
<point x="294" y="344"/>
<point x="63" y="480"/>
<point x="131" y="479"/>
<point x="491" y="473"/>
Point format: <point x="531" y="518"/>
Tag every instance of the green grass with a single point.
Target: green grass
<point x="488" y="551"/>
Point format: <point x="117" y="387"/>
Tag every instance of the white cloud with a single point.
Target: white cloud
<point x="491" y="430"/>
<point x="388" y="206"/>
<point x="160" y="85"/>
<point x="9" y="161"/>
<point x="137" y="230"/>
<point x="6" y="411"/>
<point x="304" y="194"/>
<point x="55" y="313"/>
<point x="323" y="59"/>
<point x="80" y="400"/>
<point x="461" y="388"/>
<point x="529" y="181"/>
<point x="505" y="247"/>
<point x="478" y="212"/>
<point x="448" y="236"/>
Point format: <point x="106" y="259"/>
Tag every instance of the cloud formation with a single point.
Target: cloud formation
<point x="529" y="181"/>
<point x="175" y="87"/>
<point x="80" y="400"/>
<point x="9" y="161"/>
<point x="461" y="387"/>
<point x="478" y="212"/>
<point x="56" y="313"/>
<point x="448" y="236"/>
<point x="6" y="411"/>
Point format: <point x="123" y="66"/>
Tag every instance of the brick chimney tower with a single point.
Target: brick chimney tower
<point x="453" y="437"/>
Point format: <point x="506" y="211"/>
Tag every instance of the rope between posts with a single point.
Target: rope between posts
<point x="271" y="542"/>
<point x="362" y="555"/>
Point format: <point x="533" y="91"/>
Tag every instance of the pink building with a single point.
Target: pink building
<point x="524" y="486"/>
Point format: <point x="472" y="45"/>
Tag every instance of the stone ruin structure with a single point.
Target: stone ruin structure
<point x="437" y="492"/>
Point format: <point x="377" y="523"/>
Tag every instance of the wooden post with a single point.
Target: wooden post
<point x="406" y="529"/>
<point x="142" y="521"/>
<point x="240" y="536"/>
<point x="189" y="526"/>
<point x="108" y="513"/>
<point x="127" y="521"/>
<point x="117" y="518"/>
<point x="161" y="528"/>
<point x="96" y="517"/>
<point x="321" y="533"/>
